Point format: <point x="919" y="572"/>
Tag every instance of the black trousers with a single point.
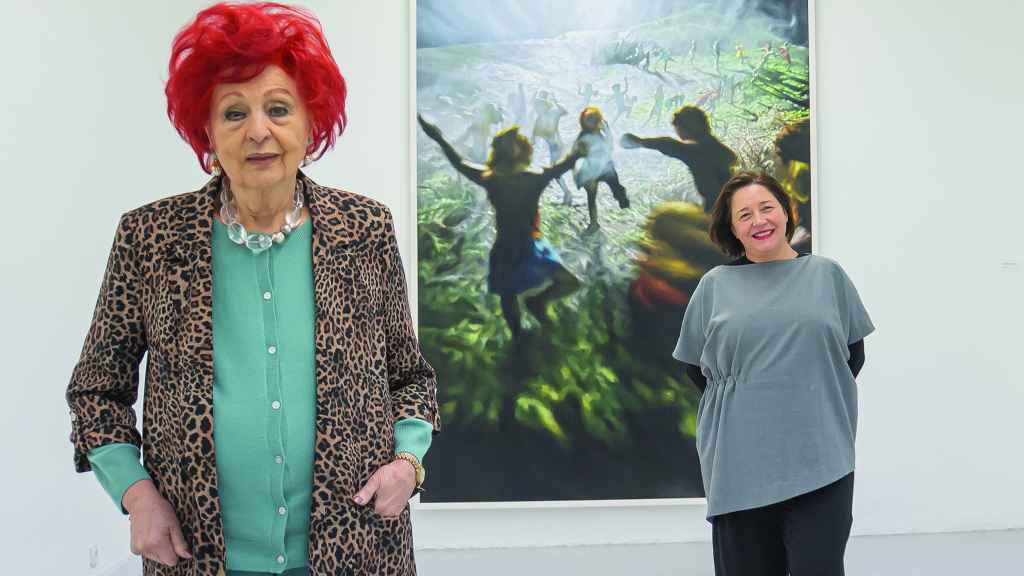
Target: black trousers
<point x="802" y="536"/>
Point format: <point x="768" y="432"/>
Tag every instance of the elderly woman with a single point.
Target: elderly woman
<point x="287" y="404"/>
<point x="774" y="340"/>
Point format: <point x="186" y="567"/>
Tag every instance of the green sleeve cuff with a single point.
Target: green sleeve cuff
<point x="413" y="435"/>
<point x="117" y="467"/>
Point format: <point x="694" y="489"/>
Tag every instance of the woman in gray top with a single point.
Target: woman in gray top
<point x="774" y="339"/>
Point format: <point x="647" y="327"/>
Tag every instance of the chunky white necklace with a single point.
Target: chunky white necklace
<point x="258" y="241"/>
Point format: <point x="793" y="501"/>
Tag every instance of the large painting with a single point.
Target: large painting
<point x="568" y="153"/>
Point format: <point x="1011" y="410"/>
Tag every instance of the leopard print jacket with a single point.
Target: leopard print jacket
<point x="156" y="299"/>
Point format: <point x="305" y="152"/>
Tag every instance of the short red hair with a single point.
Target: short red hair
<point x="232" y="43"/>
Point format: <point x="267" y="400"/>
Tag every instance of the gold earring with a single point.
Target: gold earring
<point x="215" y="166"/>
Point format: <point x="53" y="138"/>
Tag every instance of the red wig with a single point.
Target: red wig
<point x="232" y="43"/>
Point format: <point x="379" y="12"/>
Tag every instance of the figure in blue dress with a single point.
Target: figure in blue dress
<point x="521" y="260"/>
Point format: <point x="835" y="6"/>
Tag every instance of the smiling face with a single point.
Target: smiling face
<point x="759" y="223"/>
<point x="259" y="130"/>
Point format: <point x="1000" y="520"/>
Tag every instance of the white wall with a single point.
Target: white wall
<point x="922" y="202"/>
<point x="918" y="120"/>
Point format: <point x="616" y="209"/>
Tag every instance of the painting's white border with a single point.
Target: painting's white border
<point x="413" y="255"/>
<point x="548" y="525"/>
<point x="812" y="51"/>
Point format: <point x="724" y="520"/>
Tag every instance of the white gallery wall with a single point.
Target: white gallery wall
<point x="920" y="197"/>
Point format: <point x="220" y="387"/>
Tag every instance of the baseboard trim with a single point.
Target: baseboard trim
<point x="132" y="565"/>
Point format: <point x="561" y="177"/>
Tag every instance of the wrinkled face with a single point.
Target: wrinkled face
<point x="259" y="129"/>
<point x="758" y="221"/>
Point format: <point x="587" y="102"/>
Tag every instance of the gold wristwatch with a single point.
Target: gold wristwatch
<point x="421" y="473"/>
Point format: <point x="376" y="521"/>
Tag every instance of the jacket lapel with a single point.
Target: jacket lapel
<point x="339" y="245"/>
<point x="339" y="236"/>
<point x="193" y="250"/>
<point x="192" y="253"/>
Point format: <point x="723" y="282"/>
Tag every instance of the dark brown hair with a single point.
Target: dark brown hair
<point x="794" y="142"/>
<point x="720" y="229"/>
<point x="692" y="120"/>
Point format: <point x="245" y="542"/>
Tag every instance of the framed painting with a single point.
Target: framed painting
<point x="567" y="155"/>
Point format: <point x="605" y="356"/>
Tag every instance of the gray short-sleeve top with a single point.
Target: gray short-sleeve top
<point x="779" y="415"/>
